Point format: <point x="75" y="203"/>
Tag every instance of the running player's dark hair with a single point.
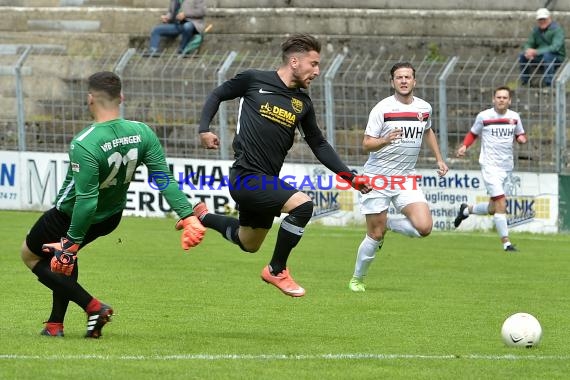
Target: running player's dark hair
<point x="299" y="43"/>
<point x="402" y="65"/>
<point x="503" y="88"/>
<point x="107" y="82"/>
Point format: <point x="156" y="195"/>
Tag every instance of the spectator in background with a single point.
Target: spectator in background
<point x="184" y="17"/>
<point x="544" y="47"/>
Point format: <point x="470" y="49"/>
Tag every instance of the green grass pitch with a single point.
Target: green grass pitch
<point x="433" y="308"/>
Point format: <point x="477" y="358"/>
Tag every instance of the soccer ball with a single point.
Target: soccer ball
<point x="521" y="330"/>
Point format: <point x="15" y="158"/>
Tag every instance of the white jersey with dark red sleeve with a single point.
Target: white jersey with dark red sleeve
<point x="498" y="133"/>
<point x="400" y="157"/>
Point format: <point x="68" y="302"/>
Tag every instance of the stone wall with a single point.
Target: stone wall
<point x="481" y="5"/>
<point x="127" y="24"/>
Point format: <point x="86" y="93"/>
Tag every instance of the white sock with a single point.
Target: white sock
<point x="402" y="226"/>
<point x="481" y="209"/>
<point x="365" y="256"/>
<point x="501" y="225"/>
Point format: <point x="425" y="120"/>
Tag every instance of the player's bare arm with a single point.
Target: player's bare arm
<point x="469" y="139"/>
<point x="431" y="140"/>
<point x="521" y="139"/>
<point x="461" y="151"/>
<point x="373" y="144"/>
<point x="442" y="168"/>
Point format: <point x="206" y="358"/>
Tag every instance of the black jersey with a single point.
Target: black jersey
<point x="269" y="114"/>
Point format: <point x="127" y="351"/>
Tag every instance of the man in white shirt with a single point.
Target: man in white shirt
<point x="498" y="127"/>
<point x="393" y="137"/>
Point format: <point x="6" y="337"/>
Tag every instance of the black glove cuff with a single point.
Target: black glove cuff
<point x="68" y="244"/>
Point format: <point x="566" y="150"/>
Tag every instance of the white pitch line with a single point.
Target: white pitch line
<point x="544" y="237"/>
<point x="262" y="357"/>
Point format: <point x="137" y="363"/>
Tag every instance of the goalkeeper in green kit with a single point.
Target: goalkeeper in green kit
<point x="103" y="158"/>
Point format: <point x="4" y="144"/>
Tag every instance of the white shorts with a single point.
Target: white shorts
<point x="378" y="200"/>
<point x="493" y="178"/>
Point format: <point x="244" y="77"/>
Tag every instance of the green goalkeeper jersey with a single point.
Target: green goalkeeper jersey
<point x="103" y="158"/>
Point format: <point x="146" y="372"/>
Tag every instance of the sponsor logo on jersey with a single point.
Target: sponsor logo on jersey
<point x="412" y="132"/>
<point x="265" y="108"/>
<point x="125" y="140"/>
<point x="297" y="105"/>
<point x="278" y="115"/>
<point x="74" y="166"/>
<point x="502" y="132"/>
<point x="410" y="135"/>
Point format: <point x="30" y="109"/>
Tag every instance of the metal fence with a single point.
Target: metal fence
<point x="44" y="93"/>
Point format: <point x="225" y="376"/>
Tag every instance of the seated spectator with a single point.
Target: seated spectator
<point x="543" y="50"/>
<point x="184" y="17"/>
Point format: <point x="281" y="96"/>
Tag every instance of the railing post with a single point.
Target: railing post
<point x="329" y="98"/>
<point x="120" y="67"/>
<point x="222" y="112"/>
<point x="20" y="117"/>
<point x="561" y="150"/>
<point x="442" y="131"/>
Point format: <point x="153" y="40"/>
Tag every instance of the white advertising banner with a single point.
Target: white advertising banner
<point x="532" y="200"/>
<point x="30" y="181"/>
<point x="201" y="180"/>
<point x="10" y="194"/>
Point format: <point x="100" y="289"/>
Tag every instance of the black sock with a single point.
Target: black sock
<point x="58" y="308"/>
<point x="61" y="302"/>
<point x="63" y="286"/>
<point x="227" y="226"/>
<point x="287" y="238"/>
<point x="290" y="232"/>
<point x="286" y="241"/>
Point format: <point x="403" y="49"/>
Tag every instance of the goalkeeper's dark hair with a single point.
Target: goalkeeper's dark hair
<point x="402" y="65"/>
<point x="106" y="82"/>
<point x="299" y="43"/>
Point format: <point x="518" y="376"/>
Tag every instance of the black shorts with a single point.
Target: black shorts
<point x="259" y="197"/>
<point x="54" y="224"/>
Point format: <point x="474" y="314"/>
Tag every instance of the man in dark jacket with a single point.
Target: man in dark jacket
<point x="544" y="48"/>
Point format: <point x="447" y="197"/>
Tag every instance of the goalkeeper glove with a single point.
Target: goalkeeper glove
<point x="64" y="255"/>
<point x="193" y="232"/>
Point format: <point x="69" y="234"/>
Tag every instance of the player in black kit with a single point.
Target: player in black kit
<point x="273" y="105"/>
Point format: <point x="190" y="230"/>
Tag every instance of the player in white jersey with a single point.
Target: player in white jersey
<point x="498" y="127"/>
<point x="393" y="137"/>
